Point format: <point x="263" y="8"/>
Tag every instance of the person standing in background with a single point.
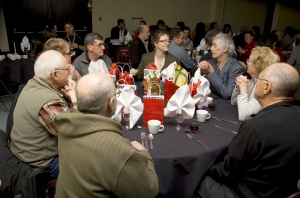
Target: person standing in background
<point x="75" y="41"/>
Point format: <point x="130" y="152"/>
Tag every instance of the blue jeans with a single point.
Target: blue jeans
<point x="53" y="168"/>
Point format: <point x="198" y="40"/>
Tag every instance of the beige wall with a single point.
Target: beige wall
<point x="288" y="17"/>
<point x="235" y="12"/>
<point x="242" y="13"/>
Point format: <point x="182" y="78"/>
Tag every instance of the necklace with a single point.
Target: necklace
<point x="74" y="35"/>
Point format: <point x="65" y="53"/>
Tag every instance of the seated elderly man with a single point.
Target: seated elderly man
<point x="93" y="59"/>
<point x="222" y="69"/>
<point x="176" y="36"/>
<point x="34" y="136"/>
<point x="263" y="159"/>
<point x="140" y="46"/>
<point x="95" y="160"/>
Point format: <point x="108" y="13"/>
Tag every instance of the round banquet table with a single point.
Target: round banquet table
<point x="180" y="162"/>
<point x="19" y="71"/>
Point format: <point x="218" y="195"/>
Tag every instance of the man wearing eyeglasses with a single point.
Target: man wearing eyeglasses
<point x="263" y="159"/>
<point x="93" y="59"/>
<point x="47" y="94"/>
<point x="95" y="160"/>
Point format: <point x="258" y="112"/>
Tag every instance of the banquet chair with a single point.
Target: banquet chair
<point x="123" y="57"/>
<point x="18" y="179"/>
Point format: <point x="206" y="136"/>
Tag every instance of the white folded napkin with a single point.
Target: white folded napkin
<point x="128" y="37"/>
<point x="98" y="66"/>
<point x="128" y="99"/>
<point x="25" y="44"/>
<point x="183" y="101"/>
<point x="169" y="72"/>
<point x="203" y="90"/>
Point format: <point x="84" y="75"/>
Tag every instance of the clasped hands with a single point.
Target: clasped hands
<point x="241" y="82"/>
<point x="205" y="67"/>
<point x="69" y="90"/>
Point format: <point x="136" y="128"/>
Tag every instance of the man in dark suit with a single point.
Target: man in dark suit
<point x="119" y="32"/>
<point x="140" y="46"/>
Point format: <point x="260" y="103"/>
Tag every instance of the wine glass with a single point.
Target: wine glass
<point x="179" y="119"/>
<point x="126" y="116"/>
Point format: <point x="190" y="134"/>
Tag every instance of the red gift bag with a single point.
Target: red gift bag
<point x="151" y="81"/>
<point x="153" y="109"/>
<point x="169" y="89"/>
<point x="114" y="67"/>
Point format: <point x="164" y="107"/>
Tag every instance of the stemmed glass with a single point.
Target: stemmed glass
<point x="126" y="116"/>
<point x="179" y="119"/>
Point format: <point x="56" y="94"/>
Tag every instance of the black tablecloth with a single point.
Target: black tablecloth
<point x="19" y="71"/>
<point x="180" y="162"/>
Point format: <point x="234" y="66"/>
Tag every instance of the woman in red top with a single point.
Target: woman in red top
<point x="245" y="52"/>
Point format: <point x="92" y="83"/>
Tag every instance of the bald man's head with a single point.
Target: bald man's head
<point x="95" y="94"/>
<point x="279" y="81"/>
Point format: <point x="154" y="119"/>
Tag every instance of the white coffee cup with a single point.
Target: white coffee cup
<point x="202" y="115"/>
<point x="25" y="56"/>
<point x="155" y="126"/>
<point x="209" y="100"/>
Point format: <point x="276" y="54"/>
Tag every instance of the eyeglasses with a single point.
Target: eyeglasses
<point x="99" y="45"/>
<point x="165" y="41"/>
<point x="256" y="79"/>
<point x="65" y="69"/>
<point x="118" y="92"/>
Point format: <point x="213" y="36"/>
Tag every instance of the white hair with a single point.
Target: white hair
<point x="47" y="62"/>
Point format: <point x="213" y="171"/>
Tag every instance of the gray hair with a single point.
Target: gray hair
<point x="284" y="79"/>
<point x="209" y="36"/>
<point x="95" y="98"/>
<point x="47" y="62"/>
<point x="226" y="42"/>
<point x="91" y="37"/>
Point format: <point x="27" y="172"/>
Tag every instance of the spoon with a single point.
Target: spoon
<point x="150" y="137"/>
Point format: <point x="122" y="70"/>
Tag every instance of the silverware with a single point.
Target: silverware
<point x="219" y="119"/>
<point x="226" y="129"/>
<point x="151" y="137"/>
<point x="191" y="137"/>
<point x="143" y="138"/>
<point x="146" y="142"/>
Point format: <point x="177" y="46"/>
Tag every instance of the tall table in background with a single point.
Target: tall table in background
<point x="180" y="162"/>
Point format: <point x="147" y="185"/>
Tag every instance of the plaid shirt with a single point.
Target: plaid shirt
<point x="49" y="111"/>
